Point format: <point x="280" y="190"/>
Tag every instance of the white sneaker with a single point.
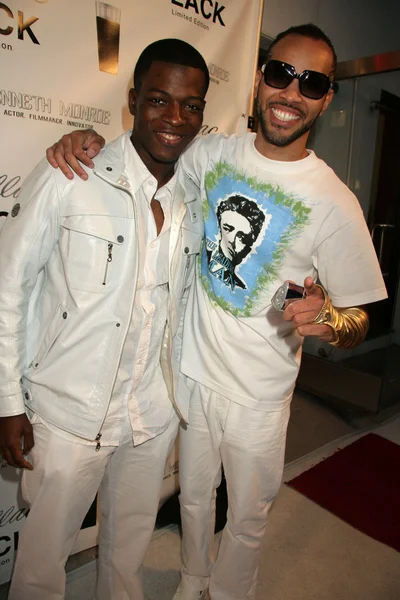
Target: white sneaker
<point x="183" y="593"/>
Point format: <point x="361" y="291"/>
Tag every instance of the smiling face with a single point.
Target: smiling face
<point x="286" y="116"/>
<point x="168" y="109"/>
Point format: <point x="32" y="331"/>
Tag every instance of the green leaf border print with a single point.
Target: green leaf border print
<point x="270" y="270"/>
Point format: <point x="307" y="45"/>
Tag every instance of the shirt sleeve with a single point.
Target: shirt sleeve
<point x="348" y="267"/>
<point x="191" y="161"/>
<point x="201" y="153"/>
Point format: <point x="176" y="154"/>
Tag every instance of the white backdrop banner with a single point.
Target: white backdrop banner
<point x="68" y="64"/>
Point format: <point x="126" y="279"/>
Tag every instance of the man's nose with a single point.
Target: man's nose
<point x="174" y="114"/>
<point x="292" y="93"/>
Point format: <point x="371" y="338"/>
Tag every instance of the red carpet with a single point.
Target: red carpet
<point x="361" y="485"/>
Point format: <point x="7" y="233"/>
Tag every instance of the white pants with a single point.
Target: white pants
<point x="60" y="490"/>
<point x="250" y="445"/>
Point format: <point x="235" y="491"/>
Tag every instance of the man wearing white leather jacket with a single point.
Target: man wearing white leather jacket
<point x="90" y="275"/>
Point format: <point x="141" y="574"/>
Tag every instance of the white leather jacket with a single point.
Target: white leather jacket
<point x="68" y="273"/>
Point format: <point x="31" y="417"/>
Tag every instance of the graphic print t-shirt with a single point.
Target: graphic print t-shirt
<point x="265" y="222"/>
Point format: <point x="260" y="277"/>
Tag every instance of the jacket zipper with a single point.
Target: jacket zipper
<point x="128" y="191"/>
<point x="109" y="259"/>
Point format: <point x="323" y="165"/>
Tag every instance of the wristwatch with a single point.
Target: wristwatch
<point x="287" y="293"/>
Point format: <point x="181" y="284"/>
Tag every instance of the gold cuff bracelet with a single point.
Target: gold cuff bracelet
<point x="349" y="325"/>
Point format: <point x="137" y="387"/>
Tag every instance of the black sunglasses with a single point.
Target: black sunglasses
<point x="312" y="84"/>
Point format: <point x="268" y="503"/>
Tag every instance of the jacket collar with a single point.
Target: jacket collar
<point x="110" y="163"/>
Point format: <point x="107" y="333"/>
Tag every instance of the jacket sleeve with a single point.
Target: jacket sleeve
<point x="27" y="239"/>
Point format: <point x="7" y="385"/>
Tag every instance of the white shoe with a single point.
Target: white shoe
<point x="183" y="593"/>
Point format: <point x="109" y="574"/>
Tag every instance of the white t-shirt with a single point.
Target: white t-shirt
<point x="266" y="221"/>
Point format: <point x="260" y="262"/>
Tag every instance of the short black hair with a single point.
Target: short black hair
<point x="171" y="51"/>
<point x="245" y="207"/>
<point x="308" y="30"/>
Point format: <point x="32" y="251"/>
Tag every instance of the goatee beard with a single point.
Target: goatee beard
<point x="275" y="137"/>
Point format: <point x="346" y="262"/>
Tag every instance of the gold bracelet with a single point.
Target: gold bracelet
<point x="349" y="325"/>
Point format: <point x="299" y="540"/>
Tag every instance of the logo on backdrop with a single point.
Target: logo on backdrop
<point x="9" y="188"/>
<point x="39" y="108"/>
<point x="218" y="74"/>
<point x="9" y="517"/>
<point x="210" y="10"/>
<point x="108" y="19"/>
<point x="22" y="25"/>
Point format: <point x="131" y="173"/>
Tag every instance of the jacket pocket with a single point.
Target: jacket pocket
<point x="56" y="325"/>
<point x="91" y="248"/>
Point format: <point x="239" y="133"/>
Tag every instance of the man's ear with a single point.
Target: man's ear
<point x="132" y="99"/>
<point x="327" y="101"/>
<point x="257" y="80"/>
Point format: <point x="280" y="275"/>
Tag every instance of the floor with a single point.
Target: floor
<point x="314" y="428"/>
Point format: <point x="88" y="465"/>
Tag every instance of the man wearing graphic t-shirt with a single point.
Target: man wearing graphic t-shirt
<point x="241" y="355"/>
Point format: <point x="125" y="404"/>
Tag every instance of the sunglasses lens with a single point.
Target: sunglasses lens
<point x="279" y="75"/>
<point x="276" y="75"/>
<point x="314" y="85"/>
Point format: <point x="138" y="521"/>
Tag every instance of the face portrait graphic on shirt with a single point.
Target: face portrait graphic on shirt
<point x="240" y="222"/>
